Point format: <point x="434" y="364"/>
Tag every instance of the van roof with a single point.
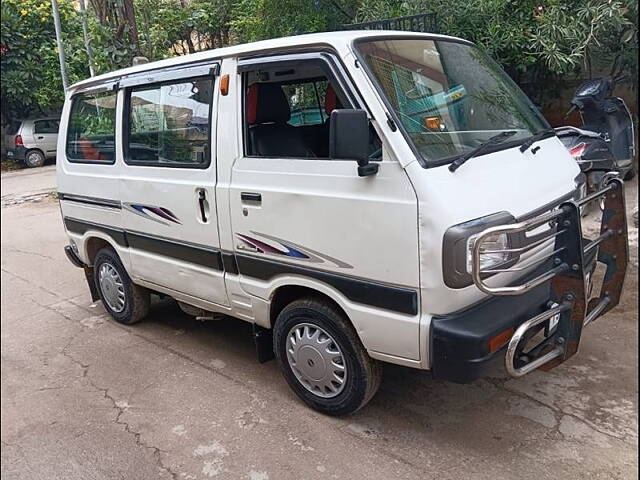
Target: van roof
<point x="334" y="39"/>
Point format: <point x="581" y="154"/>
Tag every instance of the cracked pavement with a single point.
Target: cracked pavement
<point x="175" y="398"/>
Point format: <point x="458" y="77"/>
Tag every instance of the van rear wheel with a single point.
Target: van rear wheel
<point x="322" y="358"/>
<point x="126" y="302"/>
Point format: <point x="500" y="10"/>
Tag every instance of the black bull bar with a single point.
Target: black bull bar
<point x="570" y="307"/>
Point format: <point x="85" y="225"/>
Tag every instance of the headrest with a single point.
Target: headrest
<point x="330" y="100"/>
<point x="266" y="103"/>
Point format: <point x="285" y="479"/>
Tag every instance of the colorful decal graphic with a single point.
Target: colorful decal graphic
<point x="146" y="211"/>
<point x="288" y="249"/>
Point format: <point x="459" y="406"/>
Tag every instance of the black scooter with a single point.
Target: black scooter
<point x="605" y="145"/>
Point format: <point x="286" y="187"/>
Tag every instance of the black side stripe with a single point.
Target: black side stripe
<point x="375" y="294"/>
<point x="187" y="252"/>
<point x="398" y="299"/>
<point x="100" y="202"/>
<point x="229" y="262"/>
<point x="81" y="226"/>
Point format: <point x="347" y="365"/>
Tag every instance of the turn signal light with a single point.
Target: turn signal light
<point x="499" y="340"/>
<point x="432" y="123"/>
<point x="224" y="85"/>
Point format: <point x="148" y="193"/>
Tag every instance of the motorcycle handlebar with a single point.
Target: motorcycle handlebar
<point x="570" y="111"/>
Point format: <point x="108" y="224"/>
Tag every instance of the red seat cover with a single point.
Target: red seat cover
<point x="330" y="100"/>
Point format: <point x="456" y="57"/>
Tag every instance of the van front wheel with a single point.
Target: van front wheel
<point x="322" y="358"/>
<point x="126" y="302"/>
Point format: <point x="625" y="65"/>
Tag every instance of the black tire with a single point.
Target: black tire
<point x="363" y="373"/>
<point x="136" y="298"/>
<point x="34" y="158"/>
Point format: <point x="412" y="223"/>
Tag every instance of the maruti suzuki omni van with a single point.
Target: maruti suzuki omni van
<point x="359" y="197"/>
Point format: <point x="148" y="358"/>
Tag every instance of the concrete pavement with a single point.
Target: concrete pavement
<point x="174" y="398"/>
<point x="28" y="184"/>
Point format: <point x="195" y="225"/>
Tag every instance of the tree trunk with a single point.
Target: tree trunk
<point x="130" y="15"/>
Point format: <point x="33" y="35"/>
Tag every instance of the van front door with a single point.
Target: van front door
<point x="296" y="214"/>
<point x="168" y="182"/>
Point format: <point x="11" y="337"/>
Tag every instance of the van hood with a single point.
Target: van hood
<point x="504" y="181"/>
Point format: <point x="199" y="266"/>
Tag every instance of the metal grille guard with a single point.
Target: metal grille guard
<point x="567" y="274"/>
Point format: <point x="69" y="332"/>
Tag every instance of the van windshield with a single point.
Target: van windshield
<point x="449" y="96"/>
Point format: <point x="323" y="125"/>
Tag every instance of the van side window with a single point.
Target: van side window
<point x="45" y="126"/>
<point x="287" y="112"/>
<point x="92" y="128"/>
<point x="168" y="124"/>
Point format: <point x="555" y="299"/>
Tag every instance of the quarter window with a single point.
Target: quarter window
<point x="92" y="126"/>
<point x="168" y="124"/>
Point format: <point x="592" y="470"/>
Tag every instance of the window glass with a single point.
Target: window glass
<point x="169" y="124"/>
<point x="306" y="102"/>
<point x="45" y="126"/>
<point x="92" y="125"/>
<point x="449" y="96"/>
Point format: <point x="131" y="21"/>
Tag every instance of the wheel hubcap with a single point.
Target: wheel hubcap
<point x="316" y="360"/>
<point x="111" y="287"/>
<point x="33" y="158"/>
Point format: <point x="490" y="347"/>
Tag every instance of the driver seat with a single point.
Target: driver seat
<point x="267" y="114"/>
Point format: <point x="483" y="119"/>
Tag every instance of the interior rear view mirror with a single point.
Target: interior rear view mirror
<point x="349" y="139"/>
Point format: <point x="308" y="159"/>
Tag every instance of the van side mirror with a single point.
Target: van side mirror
<point x="349" y="139"/>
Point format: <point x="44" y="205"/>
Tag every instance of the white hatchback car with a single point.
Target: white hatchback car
<point x="32" y="141"/>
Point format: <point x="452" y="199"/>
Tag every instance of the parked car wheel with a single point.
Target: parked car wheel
<point x="126" y="302"/>
<point x="322" y="358"/>
<point x="34" y="158"/>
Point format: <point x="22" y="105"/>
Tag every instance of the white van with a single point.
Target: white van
<point x="359" y="197"/>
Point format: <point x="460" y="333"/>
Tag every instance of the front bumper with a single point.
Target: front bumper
<point x="461" y="341"/>
<point x="463" y="344"/>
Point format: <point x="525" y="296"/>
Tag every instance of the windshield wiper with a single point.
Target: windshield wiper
<point x="499" y="138"/>
<point x="536" y="138"/>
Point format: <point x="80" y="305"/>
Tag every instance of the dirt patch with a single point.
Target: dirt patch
<point x="10" y="165"/>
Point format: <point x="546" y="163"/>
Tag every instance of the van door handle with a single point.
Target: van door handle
<point x="251" y="197"/>
<point x="40" y="138"/>
<point x="204" y="205"/>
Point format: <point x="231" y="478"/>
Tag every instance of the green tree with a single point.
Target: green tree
<point x="30" y="72"/>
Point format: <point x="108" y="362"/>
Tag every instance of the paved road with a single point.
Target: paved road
<point x="173" y="398"/>
<point x="28" y="184"/>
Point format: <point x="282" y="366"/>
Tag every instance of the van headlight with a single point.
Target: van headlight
<point x="457" y="249"/>
<point x="490" y="254"/>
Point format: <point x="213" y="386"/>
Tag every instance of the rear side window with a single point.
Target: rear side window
<point x="45" y="126"/>
<point x="92" y="128"/>
<point x="168" y="124"/>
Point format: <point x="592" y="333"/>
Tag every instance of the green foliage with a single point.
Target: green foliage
<point x="568" y="35"/>
<point x="539" y="42"/>
<point x="260" y="19"/>
<point x="31" y="81"/>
